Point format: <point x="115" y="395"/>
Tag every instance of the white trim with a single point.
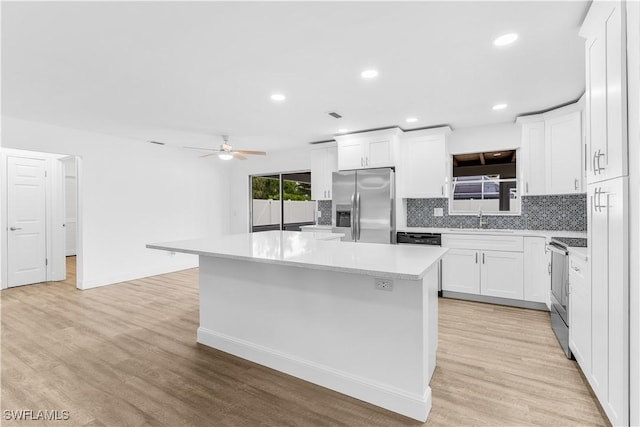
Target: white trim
<point x="79" y="225"/>
<point x="393" y="399"/>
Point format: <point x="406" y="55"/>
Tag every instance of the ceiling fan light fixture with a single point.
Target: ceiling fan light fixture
<point x="225" y="156"/>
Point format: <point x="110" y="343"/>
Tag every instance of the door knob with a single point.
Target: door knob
<point x="14" y="228"/>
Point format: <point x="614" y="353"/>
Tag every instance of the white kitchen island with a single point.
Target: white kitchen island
<point x="313" y="309"/>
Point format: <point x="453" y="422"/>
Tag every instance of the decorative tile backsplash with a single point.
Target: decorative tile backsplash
<point x="324" y="206"/>
<point x="559" y="212"/>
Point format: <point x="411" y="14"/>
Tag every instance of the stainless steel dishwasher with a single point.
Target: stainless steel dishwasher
<point x="431" y="239"/>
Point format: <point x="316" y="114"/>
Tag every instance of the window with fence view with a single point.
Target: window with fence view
<point x="282" y="201"/>
<point x="485" y="182"/>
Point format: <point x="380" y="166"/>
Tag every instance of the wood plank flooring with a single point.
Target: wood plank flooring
<point x="126" y="355"/>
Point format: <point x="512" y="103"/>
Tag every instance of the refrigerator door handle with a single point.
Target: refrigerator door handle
<point x="358" y="214"/>
<point x="353" y="217"/>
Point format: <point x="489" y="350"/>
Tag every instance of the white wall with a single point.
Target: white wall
<point x="484" y="138"/>
<point x="132" y="193"/>
<point x="633" y="78"/>
<point x="283" y="161"/>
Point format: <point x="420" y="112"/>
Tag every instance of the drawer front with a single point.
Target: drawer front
<point x="483" y="242"/>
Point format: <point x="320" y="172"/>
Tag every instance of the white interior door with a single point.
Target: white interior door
<point x="26" y="211"/>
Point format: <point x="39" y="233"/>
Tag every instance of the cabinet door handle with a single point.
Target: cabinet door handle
<point x="593" y="164"/>
<point x="476" y="257"/>
<point x="549" y="268"/>
<point x="329" y="194"/>
<point x="527" y="187"/>
<point x="367" y="161"/>
<point x="575" y="184"/>
<point x="442" y="190"/>
<point x="362" y="161"/>
<point x="325" y="194"/>
<point x="600" y="155"/>
<point x="483" y="257"/>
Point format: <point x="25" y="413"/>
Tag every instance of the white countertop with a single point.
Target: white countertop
<point x="325" y="235"/>
<point x="582" y="253"/>
<point x="316" y="227"/>
<point x="500" y="232"/>
<point x="300" y="249"/>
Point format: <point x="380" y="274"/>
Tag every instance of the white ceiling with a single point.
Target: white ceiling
<point x="183" y="72"/>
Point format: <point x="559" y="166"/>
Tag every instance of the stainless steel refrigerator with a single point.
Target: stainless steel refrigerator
<point x="363" y="205"/>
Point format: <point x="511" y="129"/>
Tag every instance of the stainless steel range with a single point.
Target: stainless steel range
<point x="559" y="248"/>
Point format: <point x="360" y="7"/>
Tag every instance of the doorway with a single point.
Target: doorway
<point x="40" y="199"/>
<point x="281" y="201"/>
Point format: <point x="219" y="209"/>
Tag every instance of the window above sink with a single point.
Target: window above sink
<point x="485" y="183"/>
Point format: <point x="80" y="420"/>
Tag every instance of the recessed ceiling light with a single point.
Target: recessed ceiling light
<point x="499" y="106"/>
<point x="411" y="119"/>
<point x="343" y="130"/>
<point x="225" y="156"/>
<point x="278" y="97"/>
<point x="505" y="39"/>
<point x="369" y="74"/>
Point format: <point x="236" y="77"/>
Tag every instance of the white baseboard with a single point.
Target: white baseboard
<point x="393" y="399"/>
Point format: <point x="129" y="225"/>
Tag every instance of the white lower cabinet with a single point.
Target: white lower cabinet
<point x="580" y="311"/>
<point x="460" y="271"/>
<point x="501" y="274"/>
<point x="608" y="261"/>
<point x="537" y="268"/>
<point x="475" y="265"/>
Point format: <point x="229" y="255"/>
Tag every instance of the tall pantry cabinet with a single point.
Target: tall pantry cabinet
<point x="606" y="149"/>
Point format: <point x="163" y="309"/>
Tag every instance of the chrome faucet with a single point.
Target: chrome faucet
<point x="482" y="222"/>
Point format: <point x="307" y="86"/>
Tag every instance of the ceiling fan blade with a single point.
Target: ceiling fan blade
<point x="210" y="154"/>
<point x="259" y="153"/>
<point x="238" y="156"/>
<point x="199" y="148"/>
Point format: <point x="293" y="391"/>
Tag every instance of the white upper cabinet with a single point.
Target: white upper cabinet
<point x="533" y="157"/>
<point x="376" y="149"/>
<point x="424" y="165"/>
<point x="606" y="106"/>
<point x="563" y="149"/>
<point x="324" y="161"/>
<point x="551" y="153"/>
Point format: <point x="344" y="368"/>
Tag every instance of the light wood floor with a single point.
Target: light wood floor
<point x="126" y="355"/>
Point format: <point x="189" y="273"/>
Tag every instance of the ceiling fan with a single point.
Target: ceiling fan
<point x="226" y="151"/>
